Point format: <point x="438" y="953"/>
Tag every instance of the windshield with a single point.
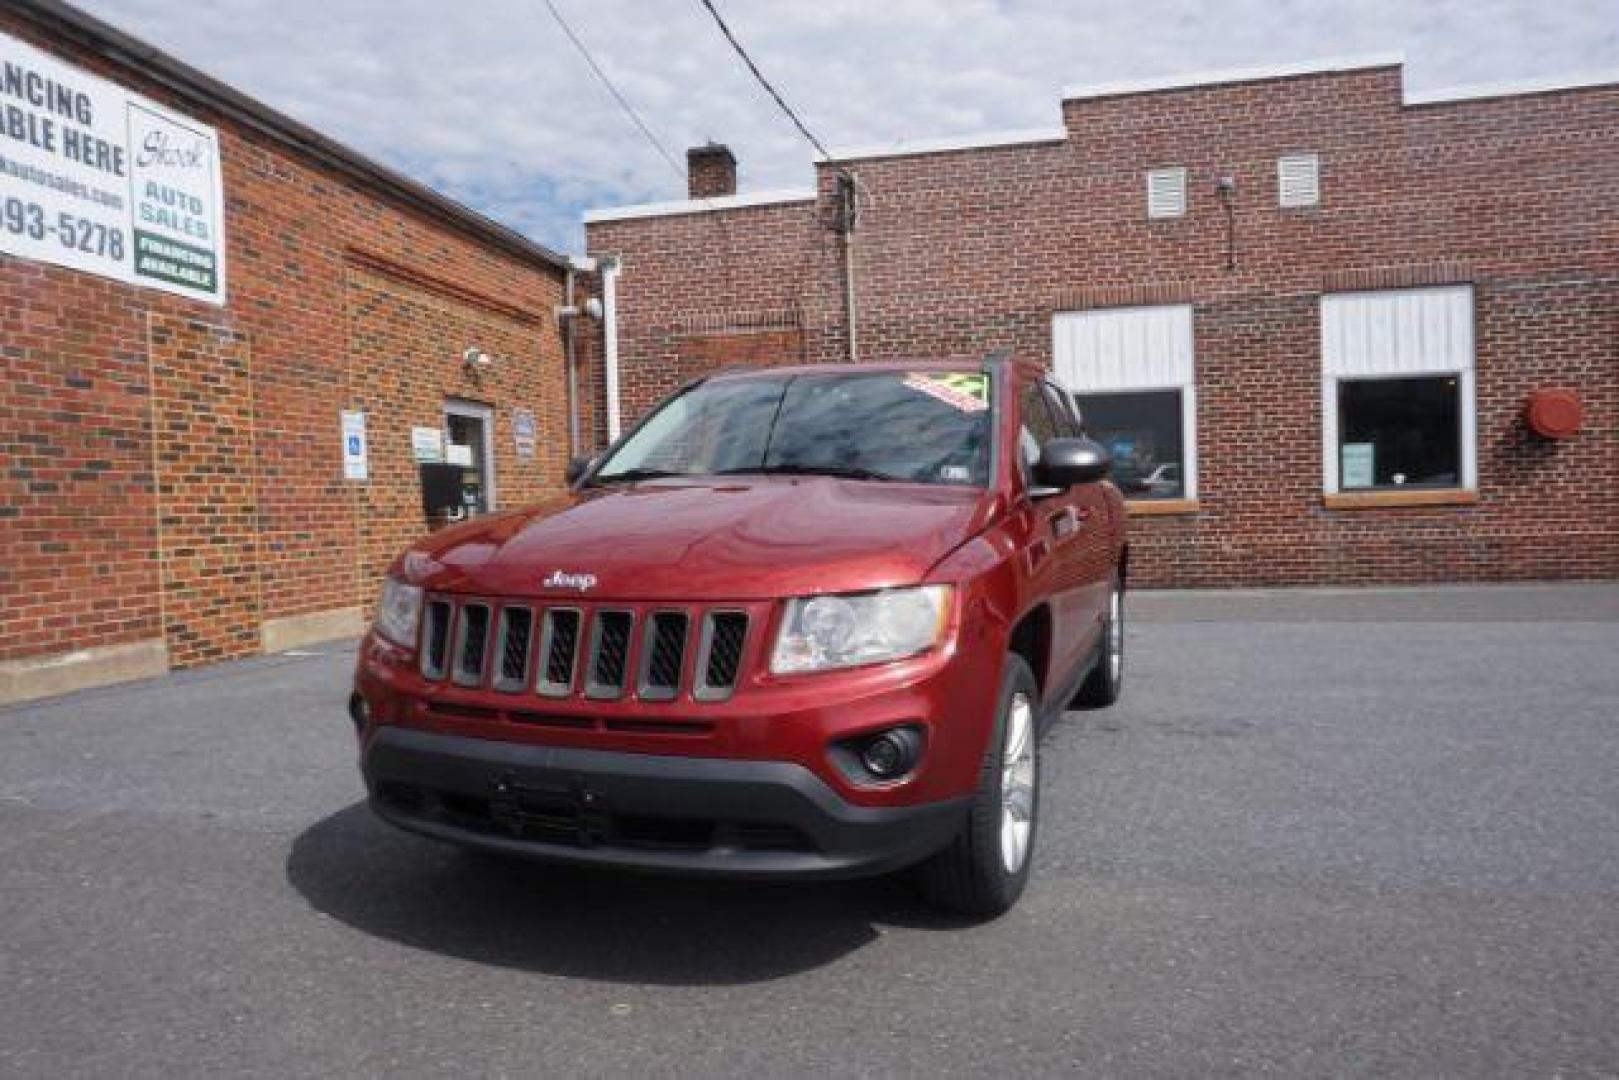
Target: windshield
<point x="920" y="427"/>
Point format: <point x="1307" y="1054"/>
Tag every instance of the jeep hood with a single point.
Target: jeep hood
<point x="752" y="538"/>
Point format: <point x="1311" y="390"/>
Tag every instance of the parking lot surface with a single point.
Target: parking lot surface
<point x="1324" y="833"/>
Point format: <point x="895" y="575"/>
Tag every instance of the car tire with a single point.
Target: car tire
<point x="1102" y="686"/>
<point x="986" y="867"/>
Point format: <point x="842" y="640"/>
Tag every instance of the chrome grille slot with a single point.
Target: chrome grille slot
<point x="663" y="654"/>
<point x="472" y="636"/>
<point x="609" y="654"/>
<point x="435" y="639"/>
<point x="719" y="658"/>
<point x="514" y="637"/>
<point x="559" y="649"/>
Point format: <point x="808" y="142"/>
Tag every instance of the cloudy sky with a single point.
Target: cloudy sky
<point x="487" y="101"/>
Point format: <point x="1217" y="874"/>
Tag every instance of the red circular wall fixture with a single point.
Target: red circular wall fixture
<point x="1554" y="414"/>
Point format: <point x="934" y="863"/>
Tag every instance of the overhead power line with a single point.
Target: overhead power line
<point x="623" y="102"/>
<point x="748" y="60"/>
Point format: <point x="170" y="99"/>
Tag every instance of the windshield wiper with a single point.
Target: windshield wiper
<point x="842" y="472"/>
<point x="630" y="475"/>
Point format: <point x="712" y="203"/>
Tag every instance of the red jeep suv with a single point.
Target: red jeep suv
<point x="800" y="622"/>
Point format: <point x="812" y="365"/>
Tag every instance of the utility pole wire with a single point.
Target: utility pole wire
<point x="623" y="102"/>
<point x="748" y="60"/>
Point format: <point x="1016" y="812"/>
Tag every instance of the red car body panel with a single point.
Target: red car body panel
<point x="750" y="543"/>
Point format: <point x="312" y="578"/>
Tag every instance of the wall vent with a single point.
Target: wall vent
<point x="1298" y="179"/>
<point x="1166" y="193"/>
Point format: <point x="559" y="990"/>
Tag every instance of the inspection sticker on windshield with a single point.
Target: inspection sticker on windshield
<point x="960" y="390"/>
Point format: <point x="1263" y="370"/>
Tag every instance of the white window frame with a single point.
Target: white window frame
<point x="1361" y="341"/>
<point x="1158" y="336"/>
<point x="473" y="410"/>
<point x="1309" y="161"/>
<point x="1175" y="175"/>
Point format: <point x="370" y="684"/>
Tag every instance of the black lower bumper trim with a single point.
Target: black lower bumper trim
<point x="651" y="812"/>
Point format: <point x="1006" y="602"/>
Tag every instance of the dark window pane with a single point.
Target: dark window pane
<point x="1037" y="428"/>
<point x="929" y="427"/>
<point x="1062" y="411"/>
<point x="1399" y="433"/>
<point x="1143" y="429"/>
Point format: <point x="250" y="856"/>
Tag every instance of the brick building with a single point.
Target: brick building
<point x="1306" y="308"/>
<point x="177" y="483"/>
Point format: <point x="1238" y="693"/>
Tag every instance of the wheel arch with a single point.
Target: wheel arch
<point x="1031" y="640"/>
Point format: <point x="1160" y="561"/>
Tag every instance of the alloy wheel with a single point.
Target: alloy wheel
<point x="1017" y="784"/>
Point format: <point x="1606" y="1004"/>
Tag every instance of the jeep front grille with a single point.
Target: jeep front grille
<point x="516" y="628"/>
<point x="601" y="653"/>
<point x="559" y="647"/>
<point x="470" y="644"/>
<point x="663" y="652"/>
<point x="609" y="652"/>
<point x="436" y="639"/>
<point x="724" y="634"/>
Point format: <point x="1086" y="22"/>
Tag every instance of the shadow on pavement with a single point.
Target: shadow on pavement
<point x="584" y="923"/>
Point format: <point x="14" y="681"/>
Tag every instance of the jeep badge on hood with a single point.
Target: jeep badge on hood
<point x="561" y="579"/>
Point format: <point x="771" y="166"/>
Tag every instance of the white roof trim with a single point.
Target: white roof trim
<point x="949" y="143"/>
<point x="1545" y="85"/>
<point x="698" y="206"/>
<point x="1233" y="75"/>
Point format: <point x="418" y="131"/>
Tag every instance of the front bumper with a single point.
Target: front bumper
<point x="700" y="815"/>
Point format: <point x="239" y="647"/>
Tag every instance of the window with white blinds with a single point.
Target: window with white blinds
<point x="1166" y="193"/>
<point x="1298" y="180"/>
<point x="1397" y="402"/>
<point x="1131" y="371"/>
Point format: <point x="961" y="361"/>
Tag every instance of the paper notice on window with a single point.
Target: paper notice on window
<point x="427" y="445"/>
<point x="966" y="391"/>
<point x="1358" y="471"/>
<point x="457" y="454"/>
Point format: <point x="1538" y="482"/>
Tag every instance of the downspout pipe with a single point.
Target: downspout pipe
<point x="848" y="220"/>
<point x="568" y="314"/>
<point x="610" y="267"/>
<point x="848" y="295"/>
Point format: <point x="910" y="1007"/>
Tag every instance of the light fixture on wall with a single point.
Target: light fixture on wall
<point x="592" y="309"/>
<point x="475" y="360"/>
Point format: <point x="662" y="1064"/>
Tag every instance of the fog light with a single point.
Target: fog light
<point x="892" y="753"/>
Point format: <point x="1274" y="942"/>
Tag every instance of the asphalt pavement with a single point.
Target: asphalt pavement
<point x="1350" y="833"/>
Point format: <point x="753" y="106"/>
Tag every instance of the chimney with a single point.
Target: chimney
<point x="710" y="171"/>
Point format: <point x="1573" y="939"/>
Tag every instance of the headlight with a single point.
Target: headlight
<point x="824" y="632"/>
<point x="398" y="612"/>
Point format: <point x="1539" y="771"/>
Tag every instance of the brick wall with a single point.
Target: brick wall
<point x="966" y="251"/>
<point x="170" y="469"/>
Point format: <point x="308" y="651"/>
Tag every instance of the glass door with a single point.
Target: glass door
<point x="469" y="443"/>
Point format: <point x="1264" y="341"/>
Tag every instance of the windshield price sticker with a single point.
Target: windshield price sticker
<point x="960" y="390"/>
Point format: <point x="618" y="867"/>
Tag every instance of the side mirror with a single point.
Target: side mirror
<point x="577" y="468"/>
<point x="1067" y="462"/>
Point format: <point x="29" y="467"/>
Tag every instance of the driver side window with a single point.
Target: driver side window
<point x="1037" y="428"/>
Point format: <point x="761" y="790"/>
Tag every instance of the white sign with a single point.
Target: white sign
<point x="354" y="455"/>
<point x="99" y="179"/>
<point x="1357" y="465"/>
<point x="427" y="445"/>
<point x="524" y="432"/>
<point x="457" y="454"/>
